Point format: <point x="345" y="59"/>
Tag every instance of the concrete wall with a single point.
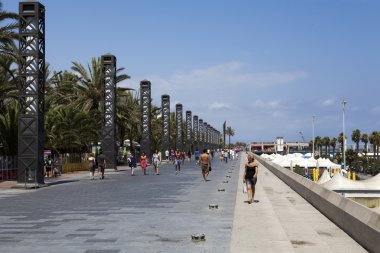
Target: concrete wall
<point x="356" y="220"/>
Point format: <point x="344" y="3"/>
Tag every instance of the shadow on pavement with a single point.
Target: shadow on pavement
<point x="62" y="182"/>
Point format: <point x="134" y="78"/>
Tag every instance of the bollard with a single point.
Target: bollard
<point x="353" y="176"/>
<point x="198" y="237"/>
<point x="213" y="206"/>
<point x="349" y="174"/>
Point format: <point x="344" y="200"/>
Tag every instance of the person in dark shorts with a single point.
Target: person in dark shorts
<point x="250" y="176"/>
<point x="102" y="164"/>
<point x="204" y="161"/>
<point x="49" y="166"/>
<point x="132" y="163"/>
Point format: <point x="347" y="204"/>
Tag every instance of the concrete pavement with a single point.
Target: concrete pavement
<point x="160" y="213"/>
<point x="282" y="221"/>
<point x="123" y="213"/>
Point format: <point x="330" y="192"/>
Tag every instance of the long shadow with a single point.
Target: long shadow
<point x="62" y="182"/>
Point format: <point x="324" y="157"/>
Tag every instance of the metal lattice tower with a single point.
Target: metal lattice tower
<point x="165" y="105"/>
<point x="31" y="97"/>
<point x="109" y="148"/>
<point x="179" y="142"/>
<point x="212" y="134"/>
<point x="200" y="134"/>
<point x="205" y="141"/>
<point x="145" y="102"/>
<point x="195" y="131"/>
<point x="188" y="131"/>
<point x="209" y="133"/>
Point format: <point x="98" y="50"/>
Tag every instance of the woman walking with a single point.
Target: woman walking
<point x="250" y="176"/>
<point x="91" y="166"/>
<point x="143" y="163"/>
<point x="156" y="162"/>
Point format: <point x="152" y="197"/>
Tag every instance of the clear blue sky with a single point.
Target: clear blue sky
<point x="266" y="67"/>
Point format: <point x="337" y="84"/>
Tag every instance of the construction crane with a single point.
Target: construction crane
<point x="302" y="136"/>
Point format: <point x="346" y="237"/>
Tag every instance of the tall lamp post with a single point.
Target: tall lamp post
<point x="313" y="134"/>
<point x="344" y="135"/>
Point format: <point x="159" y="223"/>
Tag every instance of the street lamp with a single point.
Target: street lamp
<point x="313" y="133"/>
<point x="344" y="135"/>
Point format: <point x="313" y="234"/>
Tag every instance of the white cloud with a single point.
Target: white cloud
<point x="218" y="106"/>
<point x="232" y="74"/>
<point x="329" y="102"/>
<point x="271" y="105"/>
<point x="208" y="92"/>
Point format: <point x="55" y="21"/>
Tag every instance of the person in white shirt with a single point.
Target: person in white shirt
<point x="156" y="162"/>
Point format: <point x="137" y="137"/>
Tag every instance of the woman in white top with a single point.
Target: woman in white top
<point x="91" y="165"/>
<point x="156" y="162"/>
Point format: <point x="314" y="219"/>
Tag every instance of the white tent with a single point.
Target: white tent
<point x="324" y="178"/>
<point x="338" y="182"/>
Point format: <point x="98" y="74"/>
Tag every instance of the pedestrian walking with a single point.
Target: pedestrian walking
<point x="143" y="163"/>
<point x="205" y="164"/>
<point x="91" y="165"/>
<point x="132" y="163"/>
<point x="48" y="166"/>
<point x="196" y="155"/>
<point x="177" y="160"/>
<point x="250" y="176"/>
<point x="225" y="155"/>
<point x="172" y="156"/>
<point x="156" y="162"/>
<point x="102" y="164"/>
<point x="167" y="155"/>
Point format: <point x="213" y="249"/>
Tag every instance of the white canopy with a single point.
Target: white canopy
<point x="338" y="182"/>
<point x="324" y="178"/>
<point x="300" y="160"/>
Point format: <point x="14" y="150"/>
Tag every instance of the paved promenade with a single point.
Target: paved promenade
<point x="160" y="213"/>
<point x="282" y="221"/>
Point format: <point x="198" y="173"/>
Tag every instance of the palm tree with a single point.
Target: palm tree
<point x="128" y="116"/>
<point x="89" y="87"/>
<point x="60" y="89"/>
<point x="374" y="139"/>
<point x="333" y="144"/>
<point x="8" y="56"/>
<point x="230" y="132"/>
<point x="8" y="35"/>
<point x="318" y="144"/>
<point x="8" y="81"/>
<point x="70" y="130"/>
<point x="8" y="129"/>
<point x="355" y="136"/>
<point x="326" y="142"/>
<point x="364" y="139"/>
<point x="340" y="141"/>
